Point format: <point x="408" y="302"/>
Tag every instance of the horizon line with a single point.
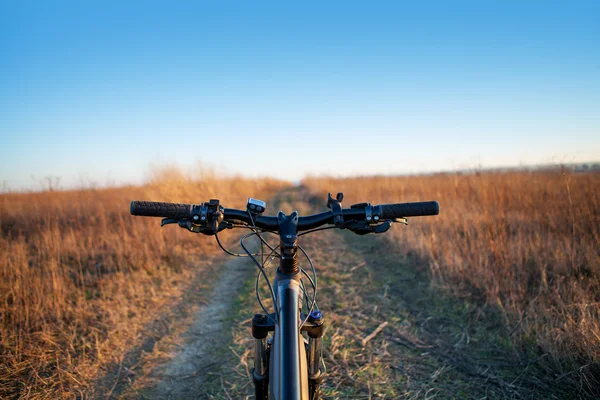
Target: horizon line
<point x="51" y="183"/>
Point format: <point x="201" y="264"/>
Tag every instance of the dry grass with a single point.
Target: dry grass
<point x="526" y="242"/>
<point x="79" y="276"/>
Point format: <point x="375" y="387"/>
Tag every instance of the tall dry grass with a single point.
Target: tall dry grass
<point x="526" y="242"/>
<point x="79" y="276"/>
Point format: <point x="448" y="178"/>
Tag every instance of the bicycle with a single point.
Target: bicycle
<point x="287" y="365"/>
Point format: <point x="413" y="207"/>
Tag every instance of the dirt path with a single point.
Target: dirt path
<point x="181" y="345"/>
<point x="186" y="373"/>
<point x="426" y="345"/>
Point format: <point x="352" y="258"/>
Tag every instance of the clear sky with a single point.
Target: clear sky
<point x="100" y="90"/>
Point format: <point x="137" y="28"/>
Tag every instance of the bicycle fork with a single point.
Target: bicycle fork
<point x="261" y="326"/>
<point x="315" y="354"/>
<point x="260" y="373"/>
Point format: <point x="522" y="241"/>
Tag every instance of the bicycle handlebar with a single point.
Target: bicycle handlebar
<point x="384" y="211"/>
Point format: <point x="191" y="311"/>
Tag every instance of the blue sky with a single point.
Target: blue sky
<point x="100" y="91"/>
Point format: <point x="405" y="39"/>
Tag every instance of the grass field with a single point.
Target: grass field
<point x="79" y="277"/>
<point x="514" y="257"/>
<point x="527" y="243"/>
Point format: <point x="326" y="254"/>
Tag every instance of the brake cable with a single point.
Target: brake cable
<point x="265" y="265"/>
<point x="259" y="236"/>
<point x="262" y="270"/>
<point x="238" y="254"/>
<point x="314" y="301"/>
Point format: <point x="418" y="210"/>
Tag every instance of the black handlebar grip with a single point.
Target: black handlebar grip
<point x="389" y="211"/>
<point x="165" y="210"/>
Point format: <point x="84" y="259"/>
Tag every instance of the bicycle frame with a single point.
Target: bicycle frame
<point x="288" y="364"/>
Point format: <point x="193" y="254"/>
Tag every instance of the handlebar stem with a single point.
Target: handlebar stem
<point x="288" y="245"/>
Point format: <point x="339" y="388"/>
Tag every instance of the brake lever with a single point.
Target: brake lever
<point x="363" y="228"/>
<point x="206" y="230"/>
<point x="166" y="221"/>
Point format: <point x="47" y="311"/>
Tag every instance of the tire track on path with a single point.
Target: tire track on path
<point x="187" y="373"/>
<point x="173" y="355"/>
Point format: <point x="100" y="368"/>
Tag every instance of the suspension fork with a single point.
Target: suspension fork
<point x="261" y="326"/>
<point x="260" y="373"/>
<point x="314" y="327"/>
<point x="282" y="366"/>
